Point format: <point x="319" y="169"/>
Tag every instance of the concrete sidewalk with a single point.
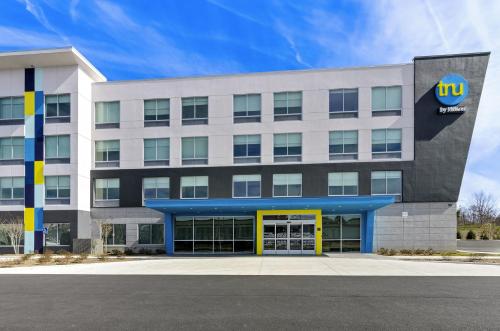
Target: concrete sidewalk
<point x="346" y="265"/>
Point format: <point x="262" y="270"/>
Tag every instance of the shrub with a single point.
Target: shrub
<point x="26" y="257"/>
<point x="419" y="251"/>
<point x="129" y="251"/>
<point x="392" y="252"/>
<point x="487" y="231"/>
<point x="382" y="251"/>
<point x="116" y="252"/>
<point x="406" y="252"/>
<point x="160" y="251"/>
<point x="470" y="235"/>
<point x="484" y="236"/>
<point x="459" y="235"/>
<point x="428" y="252"/>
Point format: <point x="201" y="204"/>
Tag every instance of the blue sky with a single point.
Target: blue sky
<point x="144" y="39"/>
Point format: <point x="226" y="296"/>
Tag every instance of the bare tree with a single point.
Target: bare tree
<point x="13" y="227"/>
<point x="105" y="230"/>
<point x="482" y="210"/>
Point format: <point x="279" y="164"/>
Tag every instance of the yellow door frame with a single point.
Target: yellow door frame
<point x="319" y="226"/>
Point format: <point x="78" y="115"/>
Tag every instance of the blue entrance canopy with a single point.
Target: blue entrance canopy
<point x="247" y="206"/>
<point x="365" y="205"/>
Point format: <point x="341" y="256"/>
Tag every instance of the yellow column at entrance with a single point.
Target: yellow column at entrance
<point x="318" y="223"/>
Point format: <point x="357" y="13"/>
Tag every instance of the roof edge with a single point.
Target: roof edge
<point x="445" y="56"/>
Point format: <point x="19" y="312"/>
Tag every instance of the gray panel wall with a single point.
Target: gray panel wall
<point x="442" y="141"/>
<point x="428" y="225"/>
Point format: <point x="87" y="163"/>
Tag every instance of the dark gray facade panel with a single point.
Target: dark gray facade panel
<point x="52" y="216"/>
<point x="314" y="178"/>
<point x="442" y="141"/>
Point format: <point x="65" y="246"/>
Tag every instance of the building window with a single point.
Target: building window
<point x="247" y="108"/>
<point x="341" y="233"/>
<point x="107" y="192"/>
<point x="156" y="188"/>
<point x="343" y="145"/>
<point x="57" y="149"/>
<point x="344" y="103"/>
<point x="11" y="190"/>
<point x="386" y="100"/>
<point x="287" y="147"/>
<point x="117" y="235"/>
<point x="57" y="190"/>
<point x="386" y="144"/>
<point x="387" y="183"/>
<point x="246" y="149"/>
<point x="342" y="183"/>
<point x="194" y="187"/>
<point x="57" y="108"/>
<point x="194" y="110"/>
<point x="58" y="234"/>
<point x="11" y="150"/>
<point x="107" y="115"/>
<point x="194" y="150"/>
<point x="214" y="235"/>
<point x="287" y="106"/>
<point x="246" y="186"/>
<point x="157" y="112"/>
<point x="11" y="110"/>
<point x="287" y="185"/>
<point x="151" y="234"/>
<point x="107" y="153"/>
<point x="156" y="151"/>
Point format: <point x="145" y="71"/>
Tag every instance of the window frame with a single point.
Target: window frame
<point x="58" y="118"/>
<point x="247" y="158"/>
<point x="288" y="116"/>
<point x="12" y="147"/>
<point x="194" y="187"/>
<point x="156" y="121"/>
<point x="288" y="186"/>
<point x="58" y="231"/>
<point x="387" y="111"/>
<point x="399" y="197"/>
<point x="195" y="120"/>
<point x="386" y="154"/>
<point x="107" y="124"/>
<point x="150" y="225"/>
<point x="344" y="155"/>
<point x="107" y="162"/>
<point x="12" y="200"/>
<point x="12" y="120"/>
<point x="59" y="200"/>
<point x="195" y="160"/>
<point x="156" y="188"/>
<point x="288" y="157"/>
<point x="246" y="186"/>
<point x="343" y="185"/>
<point x="106" y="202"/>
<point x="247" y="118"/>
<point x="58" y="158"/>
<point x="156" y="161"/>
<point x="113" y="232"/>
<point x="343" y="113"/>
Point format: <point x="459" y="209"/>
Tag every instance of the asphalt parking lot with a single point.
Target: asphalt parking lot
<point x="146" y="302"/>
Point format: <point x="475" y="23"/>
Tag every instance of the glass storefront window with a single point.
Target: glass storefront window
<point x="341" y="233"/>
<point x="220" y="234"/>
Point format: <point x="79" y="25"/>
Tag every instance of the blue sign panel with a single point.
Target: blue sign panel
<point x="452" y="89"/>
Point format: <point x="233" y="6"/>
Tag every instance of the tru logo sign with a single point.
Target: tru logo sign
<point x="450" y="91"/>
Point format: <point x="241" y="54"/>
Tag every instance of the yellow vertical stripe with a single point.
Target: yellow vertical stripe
<point x="38" y="172"/>
<point x="319" y="233"/>
<point x="29" y="103"/>
<point x="29" y="219"/>
<point x="260" y="229"/>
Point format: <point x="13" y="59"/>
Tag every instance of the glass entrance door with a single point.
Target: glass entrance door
<point x="289" y="237"/>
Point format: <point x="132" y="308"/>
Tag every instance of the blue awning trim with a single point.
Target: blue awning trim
<point x="249" y="206"/>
